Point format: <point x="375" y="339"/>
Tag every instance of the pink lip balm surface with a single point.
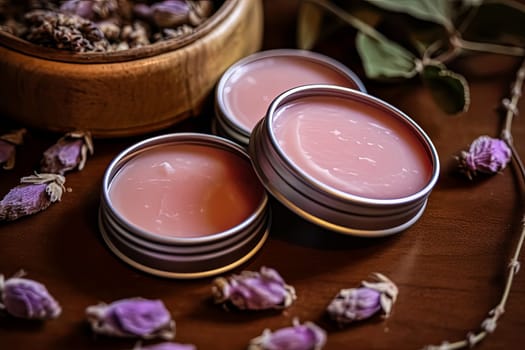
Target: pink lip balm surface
<point x="186" y="190"/>
<point x="352" y="147"/>
<point x="251" y="88"/>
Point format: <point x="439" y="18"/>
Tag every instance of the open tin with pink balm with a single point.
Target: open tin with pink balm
<point x="183" y="205"/>
<point x="344" y="160"/>
<point x="247" y="88"/>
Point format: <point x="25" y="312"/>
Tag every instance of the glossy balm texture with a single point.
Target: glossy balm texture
<point x="250" y="89"/>
<point x="352" y="147"/>
<point x="186" y="190"/>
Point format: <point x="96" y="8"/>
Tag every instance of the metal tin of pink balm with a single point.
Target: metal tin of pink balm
<point x="247" y="88"/>
<point x="344" y="160"/>
<point x="183" y="205"/>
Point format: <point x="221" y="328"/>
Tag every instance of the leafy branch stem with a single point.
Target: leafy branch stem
<point x="460" y="45"/>
<point x="487" y="47"/>
<point x="490" y="323"/>
<point x="511" y="106"/>
<point x="347" y="18"/>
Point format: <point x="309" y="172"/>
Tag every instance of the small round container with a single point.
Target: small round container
<point x="344" y="160"/>
<point x="247" y="88"/>
<point x="183" y="205"/>
<point x="128" y="92"/>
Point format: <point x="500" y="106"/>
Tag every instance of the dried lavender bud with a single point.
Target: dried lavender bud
<point x="170" y="13"/>
<point x="486" y="155"/>
<point x="69" y="153"/>
<point x="25" y="298"/>
<point x="82" y="8"/>
<point x="135" y="35"/>
<point x="64" y="31"/>
<point x="8" y="143"/>
<point x="200" y="10"/>
<point x="110" y="29"/>
<point x="101" y="25"/>
<point x="91" y="9"/>
<point x="34" y="194"/>
<point x="307" y="336"/>
<point x="135" y="317"/>
<point x="142" y="11"/>
<point x="169" y="33"/>
<point x="254" y="290"/>
<point x="167" y="346"/>
<point x="105" y="8"/>
<point x="164" y="14"/>
<point x="356" y="304"/>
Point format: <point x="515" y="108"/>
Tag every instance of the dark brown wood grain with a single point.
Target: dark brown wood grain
<point x="449" y="267"/>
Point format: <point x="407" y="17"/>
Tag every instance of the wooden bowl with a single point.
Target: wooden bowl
<point x="128" y="92"/>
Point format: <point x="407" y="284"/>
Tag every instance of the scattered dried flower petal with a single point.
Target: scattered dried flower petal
<point x="307" y="336"/>
<point x="486" y="155"/>
<point x="135" y="317"/>
<point x="167" y="346"/>
<point x="69" y="153"/>
<point x="25" y="298"/>
<point x="8" y="143"/>
<point x="356" y="304"/>
<point x="34" y="194"/>
<point x="254" y="290"/>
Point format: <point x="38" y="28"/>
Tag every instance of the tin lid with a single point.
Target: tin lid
<point x="327" y="194"/>
<point x="164" y="251"/>
<point x="247" y="87"/>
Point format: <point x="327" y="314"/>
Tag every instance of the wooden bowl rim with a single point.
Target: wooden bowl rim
<point x="13" y="42"/>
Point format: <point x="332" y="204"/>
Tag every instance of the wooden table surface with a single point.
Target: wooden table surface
<point x="449" y="267"/>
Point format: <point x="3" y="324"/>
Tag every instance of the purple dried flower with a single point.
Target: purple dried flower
<point x="35" y="193"/>
<point x="164" y="14"/>
<point x="170" y="13"/>
<point x="486" y="155"/>
<point x="69" y="153"/>
<point x="356" y="304"/>
<point x="82" y="8"/>
<point x="135" y="317"/>
<point x="25" y="298"/>
<point x="90" y="9"/>
<point x="307" y="336"/>
<point x="254" y="290"/>
<point x="142" y="11"/>
<point x="167" y="346"/>
<point x="8" y="143"/>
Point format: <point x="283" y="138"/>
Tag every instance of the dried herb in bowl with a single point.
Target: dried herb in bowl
<point x="101" y="25"/>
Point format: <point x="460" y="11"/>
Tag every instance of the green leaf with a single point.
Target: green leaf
<point x="437" y="11"/>
<point x="383" y="58"/>
<point x="450" y="90"/>
<point x="309" y="23"/>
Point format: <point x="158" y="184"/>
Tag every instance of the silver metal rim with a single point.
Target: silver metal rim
<point x="345" y="92"/>
<point x="180" y="275"/>
<point x="228" y="125"/>
<point x="197" y="138"/>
